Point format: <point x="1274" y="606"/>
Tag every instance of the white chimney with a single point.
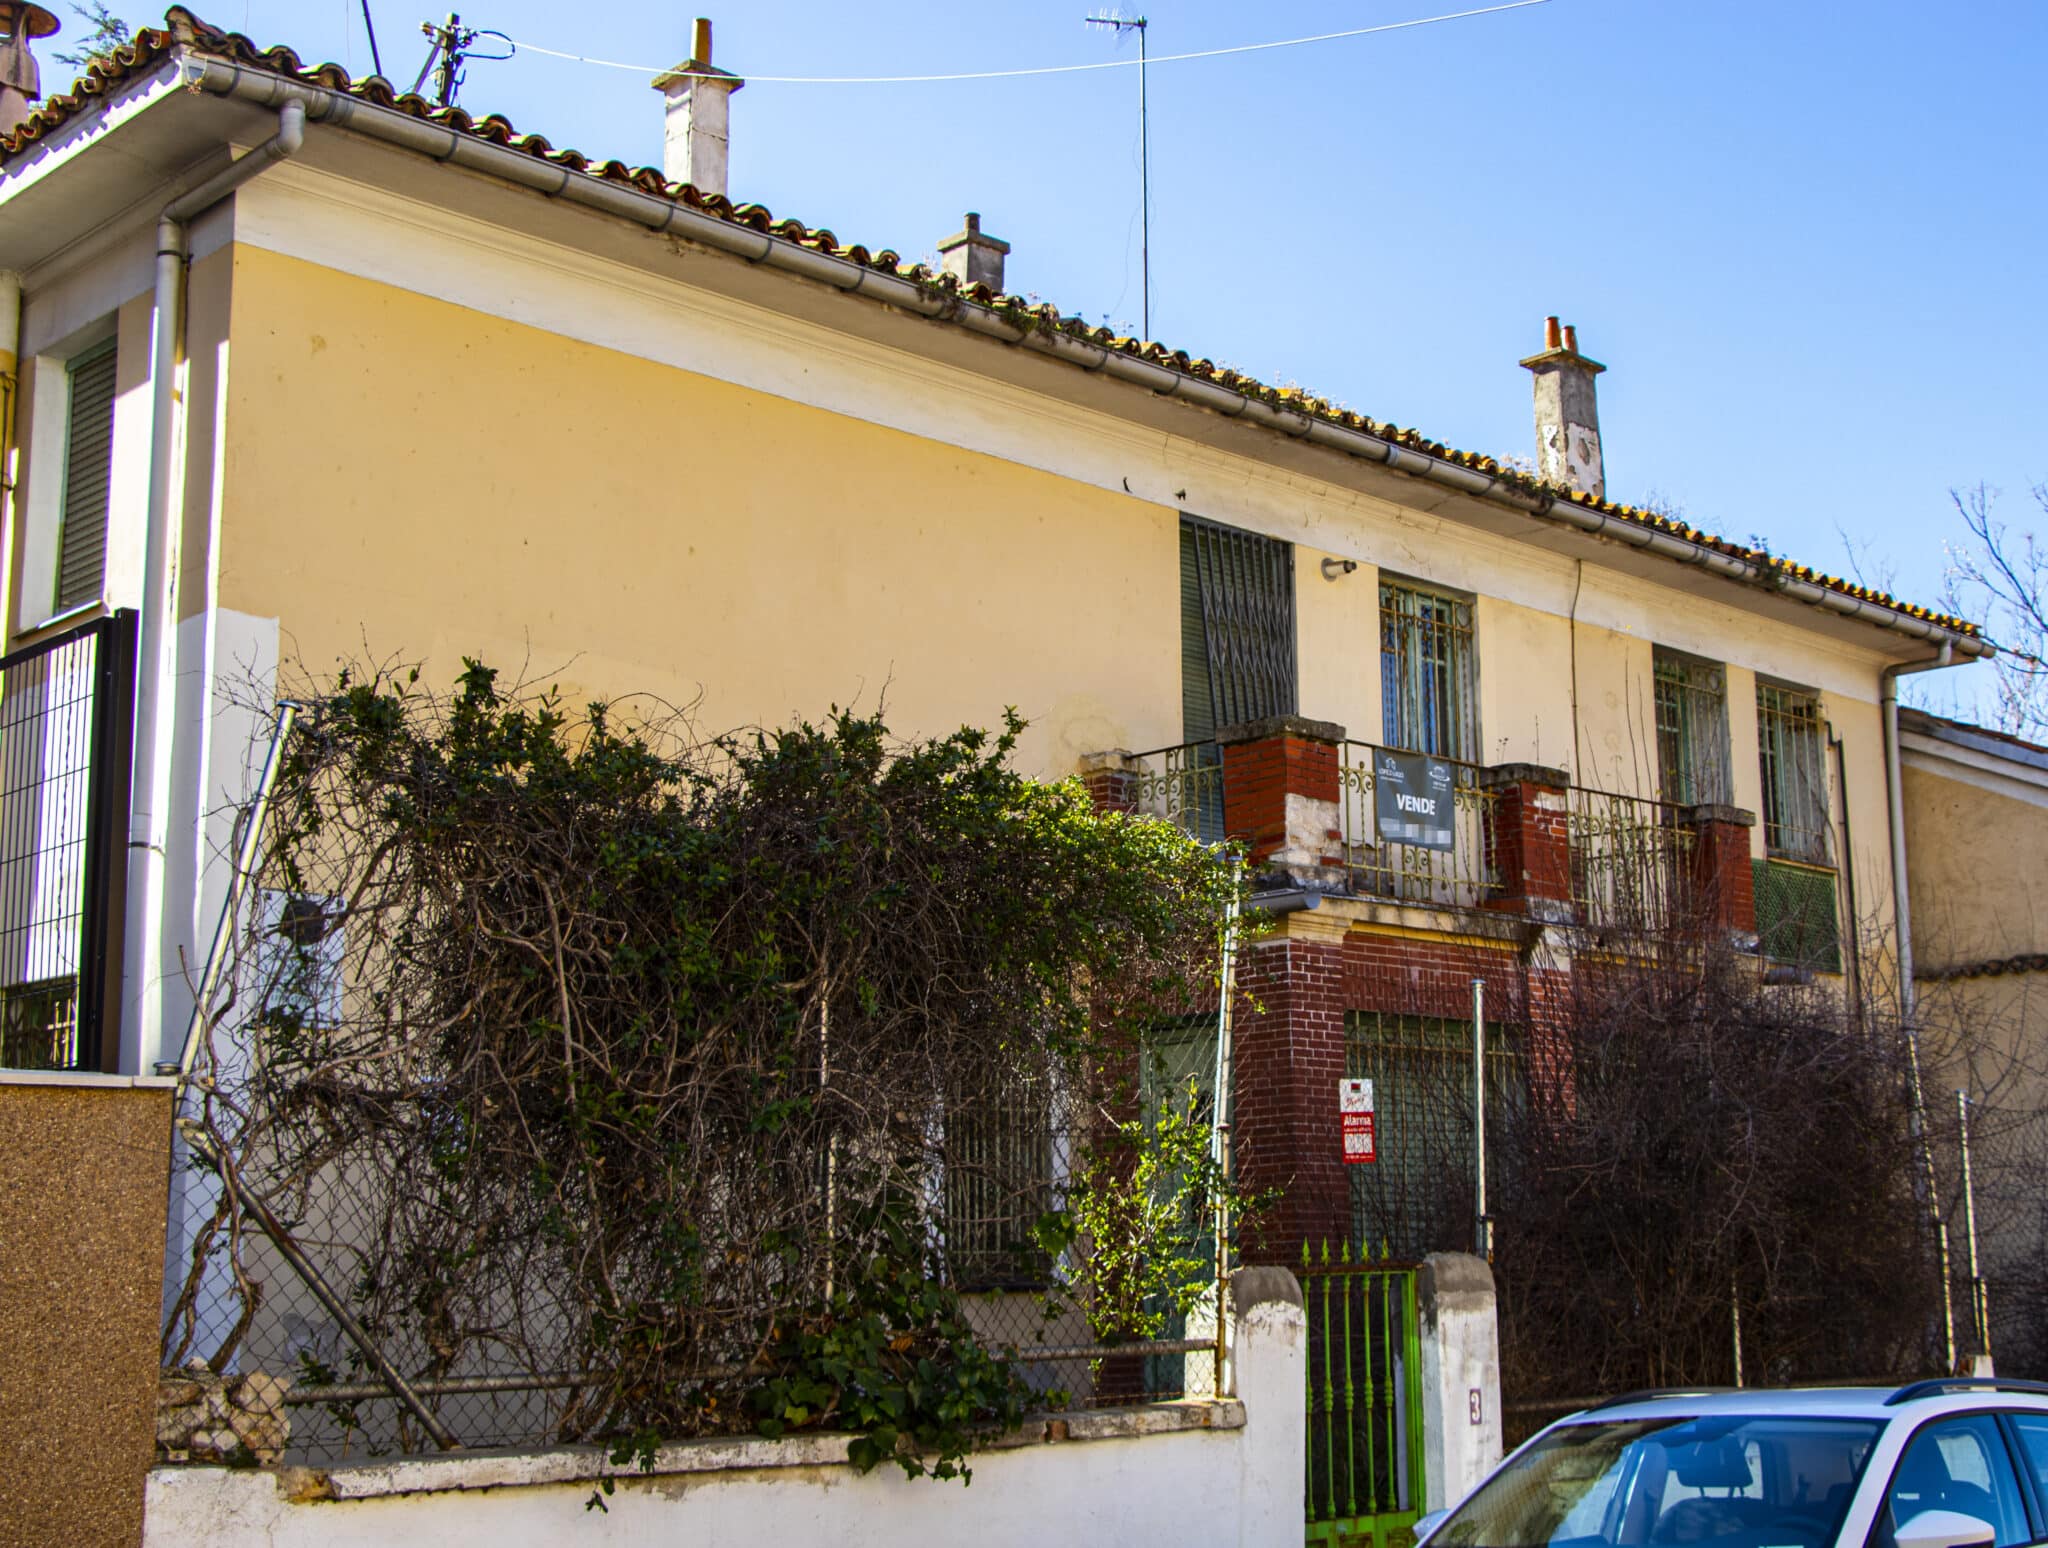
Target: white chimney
<point x="1567" y="413"/>
<point x="973" y="257"/>
<point x="697" y="145"/>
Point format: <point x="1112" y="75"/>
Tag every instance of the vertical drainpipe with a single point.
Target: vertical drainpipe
<point x="10" y="413"/>
<point x="150" y="922"/>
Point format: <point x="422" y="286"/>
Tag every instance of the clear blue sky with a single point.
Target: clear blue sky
<point x="1808" y="240"/>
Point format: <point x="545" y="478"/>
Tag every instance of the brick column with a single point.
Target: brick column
<point x="1112" y="779"/>
<point x="1528" y="839"/>
<point x="1289" y="1056"/>
<point x="1722" y="883"/>
<point x="1280" y="795"/>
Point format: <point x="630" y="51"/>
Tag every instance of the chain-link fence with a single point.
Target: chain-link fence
<point x="328" y="1229"/>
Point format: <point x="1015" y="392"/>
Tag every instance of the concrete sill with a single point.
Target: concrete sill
<point x="587" y="1464"/>
<point x="87" y="1079"/>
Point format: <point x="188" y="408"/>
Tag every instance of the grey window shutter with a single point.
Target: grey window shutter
<point x="88" y="477"/>
<point x="1237" y="627"/>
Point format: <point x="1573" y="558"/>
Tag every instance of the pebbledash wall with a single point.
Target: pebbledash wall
<point x="1225" y="1473"/>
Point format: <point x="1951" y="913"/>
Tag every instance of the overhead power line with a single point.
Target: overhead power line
<point x="1072" y="69"/>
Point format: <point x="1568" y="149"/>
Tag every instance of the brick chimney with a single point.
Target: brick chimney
<point x="20" y="83"/>
<point x="1567" y="412"/>
<point x="977" y="259"/>
<point x="697" y="145"/>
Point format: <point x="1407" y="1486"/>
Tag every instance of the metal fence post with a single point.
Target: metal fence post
<point x="1482" y="1226"/>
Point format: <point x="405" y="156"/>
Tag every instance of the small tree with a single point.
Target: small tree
<point x="108" y="32"/>
<point x="2000" y="574"/>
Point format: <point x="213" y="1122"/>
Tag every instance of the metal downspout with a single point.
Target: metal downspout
<point x="156" y="657"/>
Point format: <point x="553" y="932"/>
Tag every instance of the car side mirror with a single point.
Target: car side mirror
<point x="1945" y="1529"/>
<point x="1425" y="1525"/>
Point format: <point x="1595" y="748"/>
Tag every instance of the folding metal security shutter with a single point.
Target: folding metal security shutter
<point x="88" y="475"/>
<point x="1236" y="627"/>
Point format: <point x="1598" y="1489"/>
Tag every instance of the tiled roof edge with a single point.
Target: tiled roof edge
<point x="185" y="31"/>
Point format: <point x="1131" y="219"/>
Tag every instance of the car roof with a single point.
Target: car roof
<point x="1873" y="1402"/>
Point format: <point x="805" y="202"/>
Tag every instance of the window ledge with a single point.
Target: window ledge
<point x="87" y="1079"/>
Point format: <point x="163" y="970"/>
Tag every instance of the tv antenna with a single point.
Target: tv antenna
<point x="453" y="46"/>
<point x="1123" y="24"/>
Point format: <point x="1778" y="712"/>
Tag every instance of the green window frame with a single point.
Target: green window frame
<point x="1429" y="671"/>
<point x="1792" y="759"/>
<point x="1236" y="628"/>
<point x="1692" y="729"/>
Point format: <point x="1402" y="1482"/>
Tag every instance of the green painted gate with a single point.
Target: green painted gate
<point x="1365" y="1455"/>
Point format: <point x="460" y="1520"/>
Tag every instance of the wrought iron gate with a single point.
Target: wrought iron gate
<point x="1365" y="1454"/>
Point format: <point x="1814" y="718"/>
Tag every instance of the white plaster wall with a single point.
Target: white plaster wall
<point x="1460" y="1357"/>
<point x="1234" y="1487"/>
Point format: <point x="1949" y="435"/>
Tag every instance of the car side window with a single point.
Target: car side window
<point x="1960" y="1465"/>
<point x="2033" y="1430"/>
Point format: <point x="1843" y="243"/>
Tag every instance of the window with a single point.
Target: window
<point x="2033" y="1433"/>
<point x="998" y="1180"/>
<point x="1429" y="676"/>
<point x="1791" y="751"/>
<point x="1692" y="730"/>
<point x="88" y="477"/>
<point x="1236" y="628"/>
<point x="1960" y="1465"/>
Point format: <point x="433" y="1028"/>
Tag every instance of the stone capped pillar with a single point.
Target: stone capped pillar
<point x="1567" y="413"/>
<point x="1722" y="882"/>
<point x="1280" y="796"/>
<point x="1528" y="840"/>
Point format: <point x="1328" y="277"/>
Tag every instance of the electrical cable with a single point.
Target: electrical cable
<point x="1074" y="69"/>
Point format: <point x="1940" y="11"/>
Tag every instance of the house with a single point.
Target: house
<point x="299" y="368"/>
<point x="1973" y="803"/>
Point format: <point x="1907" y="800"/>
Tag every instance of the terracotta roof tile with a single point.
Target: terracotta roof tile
<point x="184" y="30"/>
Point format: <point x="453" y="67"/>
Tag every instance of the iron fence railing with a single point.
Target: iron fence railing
<point x="1183" y="785"/>
<point x="1463" y="876"/>
<point x="66" y="710"/>
<point x="1365" y="1479"/>
<point x="1631" y="861"/>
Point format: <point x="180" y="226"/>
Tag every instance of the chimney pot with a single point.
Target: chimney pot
<point x="20" y="80"/>
<point x="1567" y="413"/>
<point x="696" y="147"/>
<point x="974" y="257"/>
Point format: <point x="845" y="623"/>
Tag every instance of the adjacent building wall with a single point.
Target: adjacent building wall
<point x="83" y="1165"/>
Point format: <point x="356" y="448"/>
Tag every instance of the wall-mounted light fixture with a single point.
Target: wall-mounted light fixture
<point x="1332" y="568"/>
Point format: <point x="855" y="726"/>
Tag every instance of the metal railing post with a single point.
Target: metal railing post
<point x="1482" y="1226"/>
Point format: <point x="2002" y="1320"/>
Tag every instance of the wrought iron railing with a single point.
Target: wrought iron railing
<point x="1364" y="1482"/>
<point x="1183" y="785"/>
<point x="66" y="707"/>
<point x="1631" y="861"/>
<point x="1463" y="876"/>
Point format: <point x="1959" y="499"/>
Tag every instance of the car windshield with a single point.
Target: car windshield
<point x="1735" y="1481"/>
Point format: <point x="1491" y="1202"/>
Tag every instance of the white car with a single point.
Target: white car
<point x="1957" y="1463"/>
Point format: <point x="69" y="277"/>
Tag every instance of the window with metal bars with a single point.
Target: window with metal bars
<point x="999" y="1176"/>
<point x="1236" y="628"/>
<point x="88" y="477"/>
<point x="1429" y="672"/>
<point x="1692" y="730"/>
<point x="1791" y="752"/>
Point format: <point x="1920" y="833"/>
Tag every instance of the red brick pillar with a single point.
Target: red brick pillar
<point x="1722" y="882"/>
<point x="1528" y="840"/>
<point x="1289" y="1056"/>
<point x="1112" y="780"/>
<point x="1280" y="794"/>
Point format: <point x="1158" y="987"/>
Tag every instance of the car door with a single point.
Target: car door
<point x="1961" y="1463"/>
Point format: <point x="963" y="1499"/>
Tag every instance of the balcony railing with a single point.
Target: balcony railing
<point x="1463" y="876"/>
<point x="1184" y="786"/>
<point x="1631" y="861"/>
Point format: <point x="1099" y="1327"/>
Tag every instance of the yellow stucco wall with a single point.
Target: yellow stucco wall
<point x="1979" y="875"/>
<point x="613" y="525"/>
